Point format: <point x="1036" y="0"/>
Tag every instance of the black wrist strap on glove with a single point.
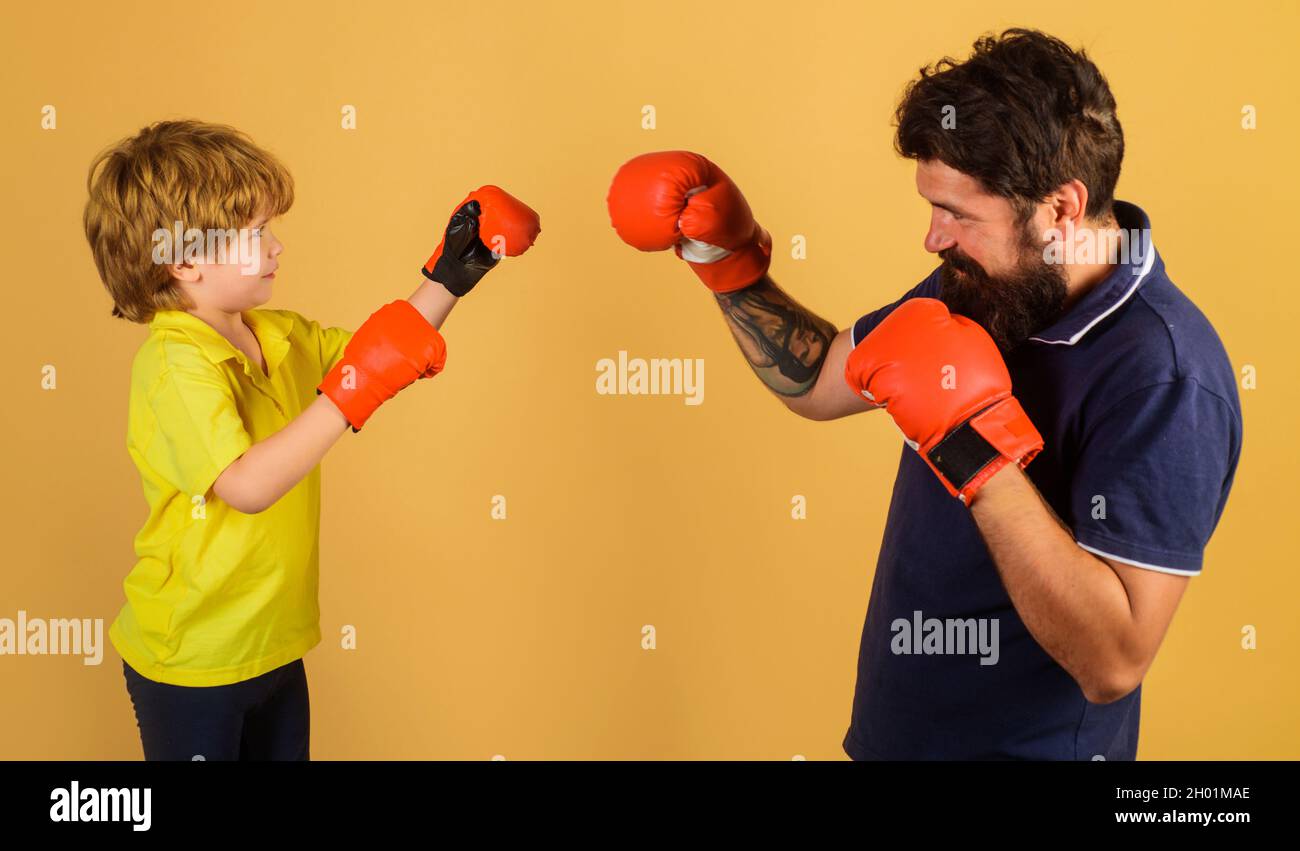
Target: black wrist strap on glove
<point x="962" y="453"/>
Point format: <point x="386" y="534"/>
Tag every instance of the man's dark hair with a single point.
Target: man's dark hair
<point x="1028" y="114"/>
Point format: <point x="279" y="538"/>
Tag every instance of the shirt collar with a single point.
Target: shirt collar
<point x="270" y="327"/>
<point x="1138" y="259"/>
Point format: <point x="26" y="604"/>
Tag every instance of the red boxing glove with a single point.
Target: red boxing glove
<point x="944" y="382"/>
<point x="390" y="350"/>
<point x="488" y="225"/>
<point x="680" y="200"/>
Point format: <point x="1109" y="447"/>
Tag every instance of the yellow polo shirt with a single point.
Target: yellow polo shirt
<point x="217" y="596"/>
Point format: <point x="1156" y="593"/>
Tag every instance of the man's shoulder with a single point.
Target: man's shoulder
<point x="930" y="287"/>
<point x="1162" y="338"/>
<point x="1165" y="328"/>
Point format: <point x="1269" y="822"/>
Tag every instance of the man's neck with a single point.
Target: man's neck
<point x="1082" y="277"/>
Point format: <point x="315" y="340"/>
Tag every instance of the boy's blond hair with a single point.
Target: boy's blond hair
<point x="202" y="175"/>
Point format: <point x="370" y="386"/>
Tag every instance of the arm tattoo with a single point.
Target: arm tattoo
<point x="784" y="342"/>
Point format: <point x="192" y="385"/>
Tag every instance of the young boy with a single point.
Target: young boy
<point x="232" y="409"/>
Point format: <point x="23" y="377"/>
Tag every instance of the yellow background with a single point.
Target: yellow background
<point x="522" y="637"/>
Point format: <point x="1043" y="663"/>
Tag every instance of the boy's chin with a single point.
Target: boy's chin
<point x="260" y="294"/>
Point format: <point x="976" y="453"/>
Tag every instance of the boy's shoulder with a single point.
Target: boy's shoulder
<point x="282" y="315"/>
<point x="178" y="341"/>
<point x="286" y="323"/>
<point x="301" y="332"/>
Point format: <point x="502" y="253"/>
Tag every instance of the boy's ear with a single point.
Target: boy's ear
<point x="186" y="273"/>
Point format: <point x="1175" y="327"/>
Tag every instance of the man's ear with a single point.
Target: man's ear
<point x="1069" y="204"/>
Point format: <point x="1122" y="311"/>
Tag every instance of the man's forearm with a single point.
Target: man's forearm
<point x="1073" y="604"/>
<point x="784" y="342"/>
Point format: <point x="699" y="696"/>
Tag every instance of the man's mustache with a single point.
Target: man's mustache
<point x="961" y="263"/>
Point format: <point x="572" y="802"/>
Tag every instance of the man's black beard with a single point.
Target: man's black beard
<point x="1010" y="307"/>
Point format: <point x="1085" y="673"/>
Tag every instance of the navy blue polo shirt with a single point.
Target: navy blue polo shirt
<point x="1137" y="404"/>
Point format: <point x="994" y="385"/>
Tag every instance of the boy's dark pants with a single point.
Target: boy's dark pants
<point x="265" y="718"/>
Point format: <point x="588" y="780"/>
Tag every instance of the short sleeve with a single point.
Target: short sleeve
<point x="1153" y="476"/>
<point x="929" y="288"/>
<point x="326" y="343"/>
<point x="198" y="430"/>
<point x="331" y="342"/>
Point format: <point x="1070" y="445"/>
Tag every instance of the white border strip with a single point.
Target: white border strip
<point x="1155" y="567"/>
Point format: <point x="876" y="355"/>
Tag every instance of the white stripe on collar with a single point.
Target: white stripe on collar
<point x="1078" y="335"/>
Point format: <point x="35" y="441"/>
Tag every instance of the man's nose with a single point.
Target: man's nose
<point x="937" y="237"/>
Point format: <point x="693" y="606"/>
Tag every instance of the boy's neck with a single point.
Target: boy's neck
<point x="229" y="325"/>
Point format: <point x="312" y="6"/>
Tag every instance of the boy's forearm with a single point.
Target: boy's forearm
<point x="271" y="467"/>
<point x="784" y="342"/>
<point x="434" y="302"/>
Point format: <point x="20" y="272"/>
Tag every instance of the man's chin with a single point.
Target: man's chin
<point x="1010" y="311"/>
